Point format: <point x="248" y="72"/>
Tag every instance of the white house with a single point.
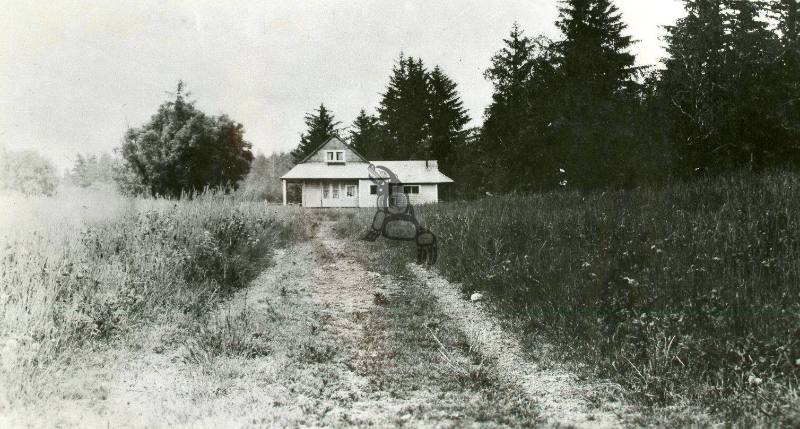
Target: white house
<point x="335" y="175"/>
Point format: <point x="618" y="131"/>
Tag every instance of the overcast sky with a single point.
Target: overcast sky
<point x="75" y="74"/>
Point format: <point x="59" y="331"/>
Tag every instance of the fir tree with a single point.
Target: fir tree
<point x="722" y="88"/>
<point x="508" y="115"/>
<point x="447" y="119"/>
<point x="403" y="110"/>
<point x="594" y="93"/>
<point x="321" y="126"/>
<point x="367" y="136"/>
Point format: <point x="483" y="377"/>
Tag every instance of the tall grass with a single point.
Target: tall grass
<point x="686" y="294"/>
<point x="72" y="273"/>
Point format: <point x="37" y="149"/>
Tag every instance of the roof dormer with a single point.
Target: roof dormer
<point x="335" y="156"/>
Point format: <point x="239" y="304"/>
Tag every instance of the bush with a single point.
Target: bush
<point x="99" y="278"/>
<point x="27" y="172"/>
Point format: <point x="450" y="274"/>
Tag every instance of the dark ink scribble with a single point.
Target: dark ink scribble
<point x="395" y="218"/>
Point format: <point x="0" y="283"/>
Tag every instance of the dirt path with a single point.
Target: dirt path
<point x="316" y="341"/>
<point x="561" y="396"/>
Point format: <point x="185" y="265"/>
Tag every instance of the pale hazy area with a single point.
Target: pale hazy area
<point x="74" y="75"/>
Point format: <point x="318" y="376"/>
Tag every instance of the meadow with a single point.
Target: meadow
<point x="686" y="295"/>
<point x="87" y="266"/>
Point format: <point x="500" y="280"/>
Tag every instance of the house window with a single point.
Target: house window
<point x="334" y="156"/>
<point x="335" y="190"/>
<point x="351" y="190"/>
<point x="411" y="189"/>
<point x="373" y="189"/>
<point x="325" y="191"/>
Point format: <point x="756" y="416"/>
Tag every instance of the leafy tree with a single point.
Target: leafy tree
<point x="181" y="149"/>
<point x="320" y="127"/>
<point x="403" y="110"/>
<point x="447" y="120"/>
<point x="27" y="172"/>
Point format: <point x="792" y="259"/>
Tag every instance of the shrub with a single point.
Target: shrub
<point x="97" y="278"/>
<point x="27" y="172"/>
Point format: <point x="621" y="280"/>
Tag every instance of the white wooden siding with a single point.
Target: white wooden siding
<point x="428" y="193"/>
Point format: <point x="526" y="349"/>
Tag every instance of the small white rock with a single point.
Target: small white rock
<point x="476" y="297"/>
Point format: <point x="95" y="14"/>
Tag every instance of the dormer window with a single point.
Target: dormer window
<point x="334" y="156"/>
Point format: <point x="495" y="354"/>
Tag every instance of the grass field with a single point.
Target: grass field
<point x="88" y="265"/>
<point x="686" y="295"/>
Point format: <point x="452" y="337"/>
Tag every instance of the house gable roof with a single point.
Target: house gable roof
<point x="406" y="171"/>
<point x="326" y="143"/>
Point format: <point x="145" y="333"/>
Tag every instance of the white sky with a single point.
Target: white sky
<point x="75" y="74"/>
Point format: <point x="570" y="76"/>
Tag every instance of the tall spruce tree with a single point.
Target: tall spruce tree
<point x="595" y="94"/>
<point x="447" y="120"/>
<point x="508" y="114"/>
<point x="367" y="136"/>
<point x="321" y="126"/>
<point x="403" y="110"/>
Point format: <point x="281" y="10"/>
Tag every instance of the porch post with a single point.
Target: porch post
<point x="283" y="185"/>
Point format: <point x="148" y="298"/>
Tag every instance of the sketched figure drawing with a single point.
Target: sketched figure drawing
<point x="395" y="219"/>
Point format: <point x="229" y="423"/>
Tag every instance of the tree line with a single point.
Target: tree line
<point x="571" y="112"/>
<point x="578" y="112"/>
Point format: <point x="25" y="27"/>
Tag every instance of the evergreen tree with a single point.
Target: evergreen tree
<point x="367" y="137"/>
<point x="789" y="26"/>
<point x="594" y="55"/>
<point x="508" y="115"/>
<point x="752" y="90"/>
<point x="595" y="94"/>
<point x="722" y="88"/>
<point x="320" y="127"/>
<point x="403" y="110"/>
<point x="447" y="120"/>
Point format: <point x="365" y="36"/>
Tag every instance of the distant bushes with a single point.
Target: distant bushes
<point x="27" y="172"/>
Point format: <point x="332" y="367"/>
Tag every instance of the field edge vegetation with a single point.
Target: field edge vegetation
<point x="78" y="283"/>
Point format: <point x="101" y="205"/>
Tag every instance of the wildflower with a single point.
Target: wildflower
<point x="586" y="265"/>
<point x="561" y="170"/>
<point x="563" y="183"/>
<point x="716" y="258"/>
<point x="753" y="380"/>
<point x="631" y="281"/>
